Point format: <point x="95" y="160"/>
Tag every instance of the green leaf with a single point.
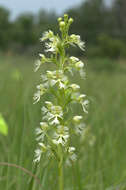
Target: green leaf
<point x="3" y="126"/>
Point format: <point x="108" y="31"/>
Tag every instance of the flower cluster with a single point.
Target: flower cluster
<point x="58" y="126"/>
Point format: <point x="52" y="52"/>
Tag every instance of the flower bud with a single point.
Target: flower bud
<point x="62" y="24"/>
<point x="66" y="16"/>
<point x="59" y="19"/>
<point x="71" y="20"/>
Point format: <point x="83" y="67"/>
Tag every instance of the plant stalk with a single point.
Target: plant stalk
<point x="60" y="177"/>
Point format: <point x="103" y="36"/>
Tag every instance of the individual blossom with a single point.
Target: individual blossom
<point x="42" y="60"/>
<point x="48" y="35"/>
<point x="37" y="65"/>
<point x="75" y="40"/>
<point x="61" y="135"/>
<point x="38" y="152"/>
<point x="41" y="131"/>
<point x="74" y="87"/>
<point x="84" y="102"/>
<point x="53" y="45"/>
<point x="79" y="128"/>
<point x="72" y="157"/>
<point x="77" y="64"/>
<point x="52" y="114"/>
<point x="73" y="59"/>
<point x="41" y="90"/>
<point x="57" y="77"/>
<point x="77" y="118"/>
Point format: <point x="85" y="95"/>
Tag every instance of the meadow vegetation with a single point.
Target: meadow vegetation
<point x="101" y="165"/>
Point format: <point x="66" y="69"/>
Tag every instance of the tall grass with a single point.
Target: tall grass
<point x="100" y="166"/>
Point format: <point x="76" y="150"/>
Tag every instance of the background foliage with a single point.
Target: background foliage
<point x="99" y="166"/>
<point x="102" y="27"/>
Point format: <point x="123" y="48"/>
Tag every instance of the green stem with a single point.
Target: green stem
<point x="60" y="167"/>
<point x="60" y="176"/>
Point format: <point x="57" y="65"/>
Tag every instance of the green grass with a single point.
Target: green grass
<point x="100" y="166"/>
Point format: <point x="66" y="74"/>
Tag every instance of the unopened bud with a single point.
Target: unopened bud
<point x="62" y="24"/>
<point x="59" y="19"/>
<point x="65" y="16"/>
<point x="71" y="20"/>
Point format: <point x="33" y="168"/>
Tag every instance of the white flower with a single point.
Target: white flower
<point x="37" y="65"/>
<point x="50" y="47"/>
<point x="44" y="78"/>
<point x="52" y="113"/>
<point x="40" y="137"/>
<point x="61" y="136"/>
<point x="60" y="139"/>
<point x="52" y="82"/>
<point x="39" y="93"/>
<point x="40" y="134"/>
<point x="61" y="84"/>
<point x="36" y="97"/>
<point x="73" y="157"/>
<point x="75" y="87"/>
<point x="47" y="35"/>
<point x="44" y="126"/>
<point x="55" y="121"/>
<point x="74" y="59"/>
<point x="83" y="102"/>
<point x="38" y="131"/>
<point x="71" y="149"/>
<point x="49" y="104"/>
<point x="50" y="74"/>
<point x="82" y="73"/>
<point x="75" y="39"/>
<point x="44" y="109"/>
<point x="54" y="118"/>
<point x="77" y="118"/>
<point x="79" y="65"/>
<point x="62" y="129"/>
<point x="43" y="58"/>
<point x="81" y="97"/>
<point x="57" y="77"/>
<point x="79" y="128"/>
<point x="53" y="45"/>
<point x="43" y="147"/>
<point x="38" y="153"/>
<point x="85" y="105"/>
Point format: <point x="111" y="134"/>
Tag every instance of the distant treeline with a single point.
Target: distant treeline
<point x="102" y="27"/>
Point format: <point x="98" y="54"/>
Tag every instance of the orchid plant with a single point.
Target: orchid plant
<point x="57" y="126"/>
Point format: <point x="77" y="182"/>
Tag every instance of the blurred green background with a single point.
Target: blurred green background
<point x="101" y="166"/>
<point x="101" y="26"/>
